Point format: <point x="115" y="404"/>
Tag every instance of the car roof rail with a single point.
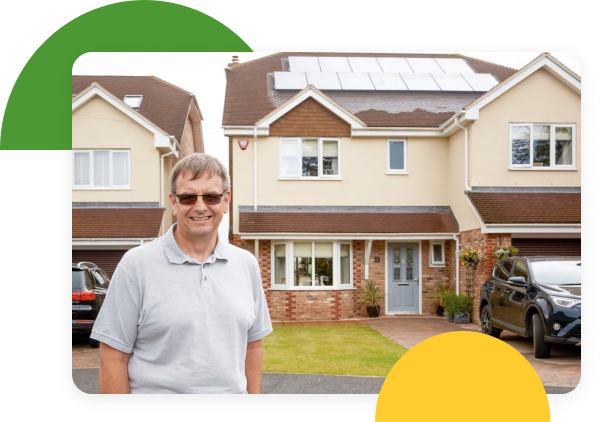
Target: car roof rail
<point x="87" y="265"/>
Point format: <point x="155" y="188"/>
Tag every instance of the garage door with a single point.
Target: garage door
<point x="106" y="260"/>
<point x="554" y="247"/>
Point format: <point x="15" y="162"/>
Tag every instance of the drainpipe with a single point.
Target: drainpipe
<point x="467" y="188"/>
<point x="255" y="170"/>
<point x="162" y="182"/>
<point x="456" y="238"/>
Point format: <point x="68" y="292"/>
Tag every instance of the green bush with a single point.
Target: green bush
<point x="457" y="304"/>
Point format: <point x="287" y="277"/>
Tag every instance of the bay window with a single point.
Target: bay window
<point x="310" y="158"/>
<point x="311" y="265"/>
<point x="542" y="146"/>
<point x="101" y="169"/>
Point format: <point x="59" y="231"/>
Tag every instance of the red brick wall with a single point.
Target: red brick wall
<point x="432" y="276"/>
<point x="310" y="118"/>
<point x="486" y="243"/>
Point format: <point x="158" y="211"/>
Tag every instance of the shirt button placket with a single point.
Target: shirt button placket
<point x="204" y="280"/>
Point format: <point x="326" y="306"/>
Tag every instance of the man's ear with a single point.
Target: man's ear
<point x="173" y="203"/>
<point x="227" y="201"/>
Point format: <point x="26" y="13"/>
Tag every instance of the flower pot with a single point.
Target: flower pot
<point x="448" y="317"/>
<point x="440" y="310"/>
<point x="373" y="311"/>
<point x="462" y="319"/>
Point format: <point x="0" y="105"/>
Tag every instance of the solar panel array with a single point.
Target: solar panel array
<point x="382" y="74"/>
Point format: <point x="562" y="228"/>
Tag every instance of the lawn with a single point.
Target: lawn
<point x="333" y="350"/>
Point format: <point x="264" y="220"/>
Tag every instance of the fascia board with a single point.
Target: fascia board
<point x="346" y="236"/>
<point x="304" y="95"/>
<point x="544" y="62"/>
<point x="161" y="138"/>
<point x="538" y="228"/>
<point x="244" y="131"/>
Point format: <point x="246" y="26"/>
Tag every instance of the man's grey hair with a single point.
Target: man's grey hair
<point x="198" y="165"/>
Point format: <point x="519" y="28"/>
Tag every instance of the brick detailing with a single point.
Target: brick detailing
<point x="310" y="118"/>
<point x="236" y="240"/>
<point x="486" y="243"/>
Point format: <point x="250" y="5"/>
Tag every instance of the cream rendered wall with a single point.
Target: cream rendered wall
<point x="540" y="98"/>
<point x="364" y="179"/>
<point x="99" y="125"/>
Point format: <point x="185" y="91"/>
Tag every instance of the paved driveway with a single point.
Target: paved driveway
<point x="562" y="369"/>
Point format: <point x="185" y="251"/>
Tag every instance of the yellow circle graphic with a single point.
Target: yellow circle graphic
<point x="462" y="376"/>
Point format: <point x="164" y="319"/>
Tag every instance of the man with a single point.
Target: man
<point x="185" y="313"/>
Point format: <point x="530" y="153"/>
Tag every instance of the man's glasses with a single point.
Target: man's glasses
<point x="190" y="198"/>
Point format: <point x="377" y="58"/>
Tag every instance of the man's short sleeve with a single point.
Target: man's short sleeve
<point x="262" y="325"/>
<point x="117" y="322"/>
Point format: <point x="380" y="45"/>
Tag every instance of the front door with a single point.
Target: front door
<point x="403" y="278"/>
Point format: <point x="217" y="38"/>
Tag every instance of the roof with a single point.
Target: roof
<point x="347" y="222"/>
<point x="527" y="207"/>
<point x="248" y="96"/>
<point x="105" y="223"/>
<point x="164" y="104"/>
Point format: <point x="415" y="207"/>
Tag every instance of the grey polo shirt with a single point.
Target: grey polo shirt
<point x="186" y="324"/>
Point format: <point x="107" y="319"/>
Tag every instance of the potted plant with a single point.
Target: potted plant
<point x="369" y="297"/>
<point x="469" y="257"/>
<point x="506" y="252"/>
<point x="437" y="297"/>
<point x="458" y="308"/>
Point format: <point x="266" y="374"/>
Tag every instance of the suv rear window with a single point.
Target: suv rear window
<point x="77" y="279"/>
<point x="556" y="272"/>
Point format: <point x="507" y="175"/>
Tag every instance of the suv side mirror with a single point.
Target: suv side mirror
<point x="518" y="281"/>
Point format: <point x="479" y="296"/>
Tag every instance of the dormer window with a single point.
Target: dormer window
<point x="133" y="101"/>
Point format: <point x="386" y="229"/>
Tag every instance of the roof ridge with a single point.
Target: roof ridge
<point x="239" y="65"/>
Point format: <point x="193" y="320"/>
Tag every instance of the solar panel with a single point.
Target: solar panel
<point x="420" y="82"/>
<point x="424" y="66"/>
<point x="481" y="81"/>
<point x="356" y="81"/>
<point x="304" y="64"/>
<point x="454" y="66"/>
<point x="394" y="64"/>
<point x="364" y="64"/>
<point x="290" y="80"/>
<point x="451" y="82"/>
<point x="324" y="80"/>
<point x="334" y="64"/>
<point x="387" y="81"/>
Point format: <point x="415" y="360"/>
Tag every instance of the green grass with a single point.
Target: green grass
<point x="334" y="350"/>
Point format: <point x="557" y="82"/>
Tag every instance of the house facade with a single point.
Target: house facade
<point x="127" y="133"/>
<point x="349" y="167"/>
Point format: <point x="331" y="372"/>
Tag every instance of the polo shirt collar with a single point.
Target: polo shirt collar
<point x="176" y="256"/>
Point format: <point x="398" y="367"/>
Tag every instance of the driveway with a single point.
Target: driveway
<point x="563" y="368"/>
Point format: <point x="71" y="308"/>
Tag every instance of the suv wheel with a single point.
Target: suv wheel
<point x="486" y="321"/>
<point x="541" y="349"/>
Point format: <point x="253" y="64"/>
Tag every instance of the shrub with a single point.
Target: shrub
<point x="370" y="295"/>
<point x="458" y="305"/>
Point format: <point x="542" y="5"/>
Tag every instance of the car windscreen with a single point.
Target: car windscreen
<point x="77" y="279"/>
<point x="556" y="272"/>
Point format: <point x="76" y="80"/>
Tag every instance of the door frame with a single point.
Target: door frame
<point x="387" y="242"/>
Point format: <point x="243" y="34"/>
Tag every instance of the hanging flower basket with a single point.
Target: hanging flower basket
<point x="506" y="252"/>
<point x="470" y="258"/>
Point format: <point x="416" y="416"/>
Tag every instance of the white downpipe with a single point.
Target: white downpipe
<point x="162" y="184"/>
<point x="257" y="249"/>
<point x="456" y="238"/>
<point x="367" y="249"/>
<point x="255" y="171"/>
<point x="467" y="187"/>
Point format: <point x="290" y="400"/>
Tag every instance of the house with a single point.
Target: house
<point x="127" y="133"/>
<point x="348" y="167"/>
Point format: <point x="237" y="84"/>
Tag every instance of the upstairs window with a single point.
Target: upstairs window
<point x="396" y="156"/>
<point x="101" y="169"/>
<point x="133" y="101"/>
<point x="310" y="158"/>
<point x="542" y="146"/>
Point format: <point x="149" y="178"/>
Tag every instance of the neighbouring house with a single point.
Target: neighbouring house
<point x="127" y="133"/>
<point x="347" y="167"/>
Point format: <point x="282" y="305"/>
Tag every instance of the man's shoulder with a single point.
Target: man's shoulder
<point x="144" y="253"/>
<point x="235" y="252"/>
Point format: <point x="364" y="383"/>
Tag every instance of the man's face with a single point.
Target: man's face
<point x="199" y="221"/>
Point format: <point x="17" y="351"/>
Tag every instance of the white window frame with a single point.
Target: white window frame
<point x="432" y="261"/>
<point x="552" y="149"/>
<point x="320" y="176"/>
<point x="336" y="247"/>
<point x="92" y="186"/>
<point x="138" y="106"/>
<point x="397" y="171"/>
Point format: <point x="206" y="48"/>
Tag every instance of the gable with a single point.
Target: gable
<point x="310" y="118"/>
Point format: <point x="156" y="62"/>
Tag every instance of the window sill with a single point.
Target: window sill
<point x="397" y="172"/>
<point x="437" y="265"/>
<point x="543" y="168"/>
<point x="310" y="178"/>
<point x="100" y="189"/>
<point x="307" y="289"/>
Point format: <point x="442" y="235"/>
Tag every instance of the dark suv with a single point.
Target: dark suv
<point x="536" y="297"/>
<point x="89" y="286"/>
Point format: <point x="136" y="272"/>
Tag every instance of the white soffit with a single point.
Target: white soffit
<point x="303" y="64"/>
<point x="424" y="66"/>
<point x="364" y="64"/>
<point x="324" y="80"/>
<point x="334" y="64"/>
<point x="419" y="82"/>
<point x="290" y="80"/>
<point x="356" y="81"/>
<point x="454" y="66"/>
<point x="481" y="81"/>
<point x="394" y="64"/>
<point x="388" y="81"/>
<point x="451" y="82"/>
